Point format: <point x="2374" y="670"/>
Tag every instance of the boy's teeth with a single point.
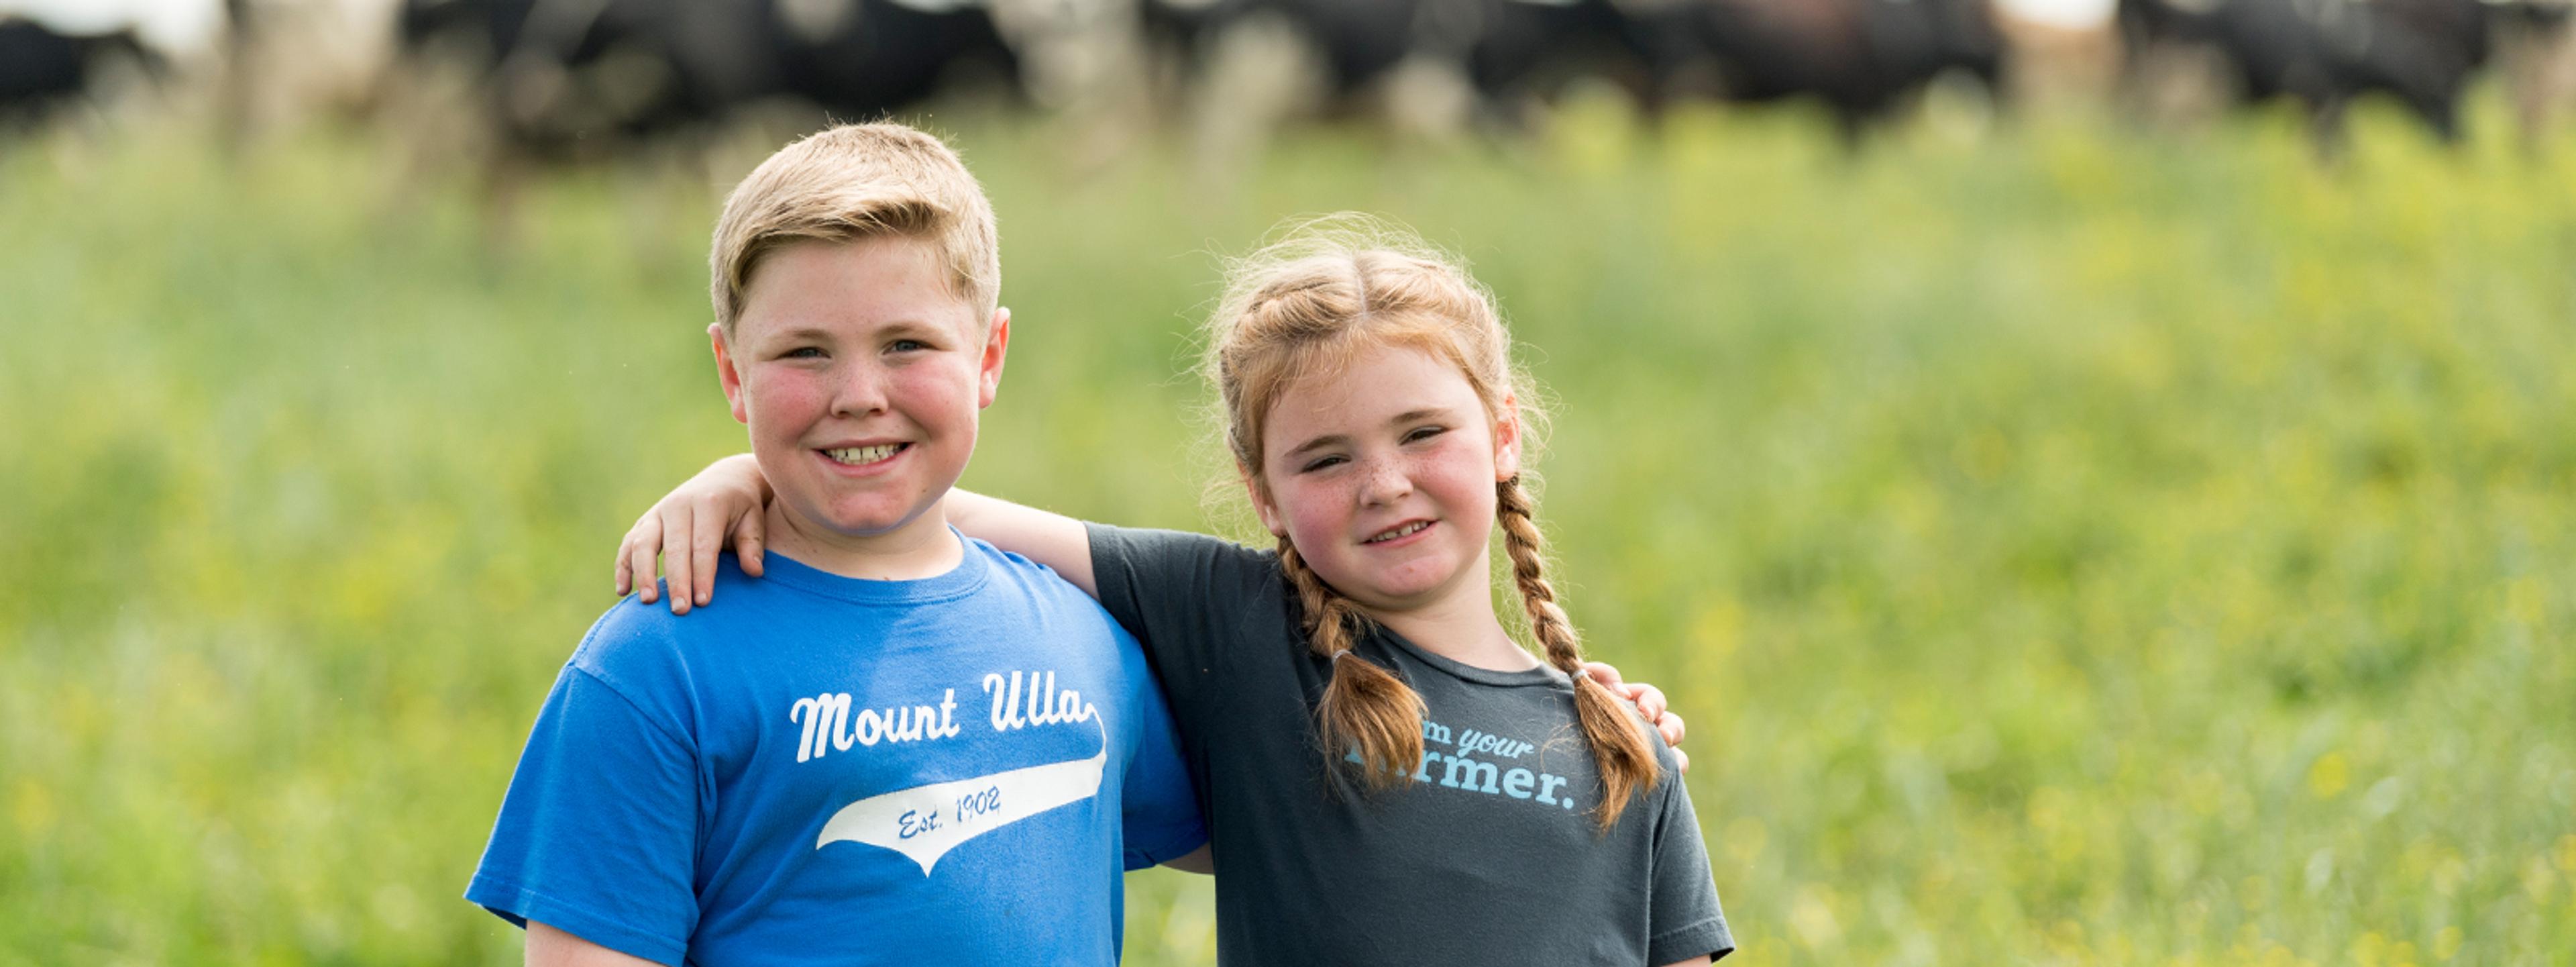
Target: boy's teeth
<point x="1400" y="531"/>
<point x="857" y="455"/>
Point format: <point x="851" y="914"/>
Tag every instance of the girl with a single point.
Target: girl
<point x="1387" y="776"/>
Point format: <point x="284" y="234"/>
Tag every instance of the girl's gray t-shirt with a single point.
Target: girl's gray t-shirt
<point x="1486" y="852"/>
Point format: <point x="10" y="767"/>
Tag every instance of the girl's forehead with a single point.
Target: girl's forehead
<point x="1370" y="387"/>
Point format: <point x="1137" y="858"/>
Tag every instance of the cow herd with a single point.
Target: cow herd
<point x="562" y="71"/>
<point x="2325" y="53"/>
<point x="574" y="78"/>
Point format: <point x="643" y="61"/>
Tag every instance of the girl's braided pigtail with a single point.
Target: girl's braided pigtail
<point x="1619" y="746"/>
<point x="1366" y="709"/>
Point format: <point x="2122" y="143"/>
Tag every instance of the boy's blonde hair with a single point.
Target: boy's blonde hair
<point x="852" y="182"/>
<point x="1335" y="288"/>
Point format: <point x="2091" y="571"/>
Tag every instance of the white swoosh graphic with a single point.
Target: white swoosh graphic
<point x="925" y="822"/>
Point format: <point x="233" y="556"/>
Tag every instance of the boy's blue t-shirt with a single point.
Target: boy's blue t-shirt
<point x="820" y="769"/>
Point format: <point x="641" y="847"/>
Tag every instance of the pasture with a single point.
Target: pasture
<point x="2068" y="545"/>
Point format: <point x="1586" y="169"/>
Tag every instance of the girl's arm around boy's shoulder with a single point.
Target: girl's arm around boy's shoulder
<point x="721" y="507"/>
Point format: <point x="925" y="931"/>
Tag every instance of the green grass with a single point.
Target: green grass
<point x="2068" y="546"/>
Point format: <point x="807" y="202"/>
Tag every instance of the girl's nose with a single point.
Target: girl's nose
<point x="1385" y="482"/>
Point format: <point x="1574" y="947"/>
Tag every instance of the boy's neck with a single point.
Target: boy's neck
<point x="922" y="548"/>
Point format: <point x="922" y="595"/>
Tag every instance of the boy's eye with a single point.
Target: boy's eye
<point x="802" y="352"/>
<point x="907" y="346"/>
<point x="1424" y="433"/>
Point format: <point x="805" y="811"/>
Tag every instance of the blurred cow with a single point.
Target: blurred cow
<point x="861" y="58"/>
<point x="1528" y="48"/>
<point x="42" y="68"/>
<point x="2536" y="50"/>
<point x="577" y="77"/>
<point x="1860" y="57"/>
<point x="2324" y="53"/>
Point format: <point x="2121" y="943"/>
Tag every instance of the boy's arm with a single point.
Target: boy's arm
<point x="1046" y="537"/>
<point x="549" y="947"/>
<point x="598" y="832"/>
<point x="1650" y="704"/>
<point x="723" y="506"/>
<point x="688" y="526"/>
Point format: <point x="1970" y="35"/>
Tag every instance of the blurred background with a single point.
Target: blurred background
<point x="2096" y="476"/>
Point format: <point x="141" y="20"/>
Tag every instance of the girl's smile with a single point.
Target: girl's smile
<point x="1401" y="534"/>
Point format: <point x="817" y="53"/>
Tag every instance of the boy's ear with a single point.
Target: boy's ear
<point x="725" y="373"/>
<point x="1507" y="439"/>
<point x="997" y="343"/>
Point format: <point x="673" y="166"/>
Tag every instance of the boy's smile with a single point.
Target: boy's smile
<point x="860" y="376"/>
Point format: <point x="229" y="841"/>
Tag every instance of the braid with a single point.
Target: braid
<point x="1527" y="548"/>
<point x="1619" y="748"/>
<point x="1365" y="707"/>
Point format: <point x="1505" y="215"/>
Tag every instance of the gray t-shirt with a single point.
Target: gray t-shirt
<point x="1486" y="853"/>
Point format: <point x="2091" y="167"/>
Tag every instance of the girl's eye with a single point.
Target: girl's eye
<point x="1319" y="463"/>
<point x="1424" y="433"/>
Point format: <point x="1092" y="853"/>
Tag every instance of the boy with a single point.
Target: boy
<point x="901" y="747"/>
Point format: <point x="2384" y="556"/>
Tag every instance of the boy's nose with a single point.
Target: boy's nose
<point x="861" y="390"/>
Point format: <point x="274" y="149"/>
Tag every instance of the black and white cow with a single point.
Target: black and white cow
<point x="42" y="69"/>
<point x="1858" y="56"/>
<point x="2325" y="53"/>
<point x="578" y="77"/>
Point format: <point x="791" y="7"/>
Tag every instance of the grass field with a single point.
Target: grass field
<point x="2068" y="546"/>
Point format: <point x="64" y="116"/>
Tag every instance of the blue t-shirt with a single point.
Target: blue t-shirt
<point x="820" y="769"/>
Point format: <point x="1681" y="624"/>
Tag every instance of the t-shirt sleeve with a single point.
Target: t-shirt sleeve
<point x="1184" y="595"/>
<point x="1683" y="920"/>
<point x="598" y="833"/>
<point x="1159" y="812"/>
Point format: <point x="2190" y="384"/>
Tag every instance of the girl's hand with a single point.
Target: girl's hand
<point x="1650" y="703"/>
<point x="722" y="506"/>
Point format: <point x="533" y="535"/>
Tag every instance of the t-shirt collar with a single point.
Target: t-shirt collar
<point x="957" y="582"/>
